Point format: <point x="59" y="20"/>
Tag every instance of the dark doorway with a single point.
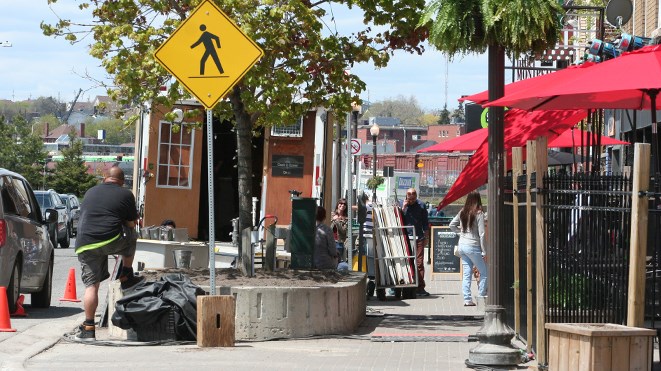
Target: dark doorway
<point x="226" y="195"/>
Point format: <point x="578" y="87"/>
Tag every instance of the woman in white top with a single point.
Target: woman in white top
<point x="469" y="225"/>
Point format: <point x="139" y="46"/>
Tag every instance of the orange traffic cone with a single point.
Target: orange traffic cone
<point x="20" y="311"/>
<point x="70" y="289"/>
<point x="5" y="322"/>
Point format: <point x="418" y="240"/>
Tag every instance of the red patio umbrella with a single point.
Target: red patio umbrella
<point x="522" y="85"/>
<point x="630" y="81"/>
<point x="577" y="137"/>
<point x="467" y="142"/>
<point x="520" y="126"/>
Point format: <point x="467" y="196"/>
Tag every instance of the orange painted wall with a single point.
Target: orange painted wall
<point x="180" y="205"/>
<point x="278" y="202"/>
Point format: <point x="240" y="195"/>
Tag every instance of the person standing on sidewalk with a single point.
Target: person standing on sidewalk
<point x="339" y="223"/>
<point x="415" y="215"/>
<point x="108" y="217"/>
<point x="469" y="224"/>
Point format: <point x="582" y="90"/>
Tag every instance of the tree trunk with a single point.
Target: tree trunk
<point x="244" y="161"/>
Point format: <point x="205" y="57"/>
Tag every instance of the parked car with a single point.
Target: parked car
<point x="26" y="251"/>
<point x="73" y="211"/>
<point x="51" y="200"/>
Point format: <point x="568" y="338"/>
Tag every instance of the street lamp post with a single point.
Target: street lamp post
<point x="374" y="130"/>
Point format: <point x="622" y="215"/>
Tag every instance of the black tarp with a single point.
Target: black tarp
<point x="145" y="305"/>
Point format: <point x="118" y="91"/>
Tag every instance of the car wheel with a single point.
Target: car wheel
<point x="64" y="243"/>
<point x="41" y="299"/>
<point x="14" y="288"/>
<point x="70" y="231"/>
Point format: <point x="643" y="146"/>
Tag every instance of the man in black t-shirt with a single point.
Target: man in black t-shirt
<point x="106" y="226"/>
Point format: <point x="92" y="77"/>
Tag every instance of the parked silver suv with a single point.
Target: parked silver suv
<point x="26" y="252"/>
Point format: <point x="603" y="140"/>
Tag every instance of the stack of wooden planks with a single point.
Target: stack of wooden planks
<point x="394" y="255"/>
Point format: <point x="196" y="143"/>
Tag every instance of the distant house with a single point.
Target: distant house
<point x="61" y="134"/>
<point x="103" y="105"/>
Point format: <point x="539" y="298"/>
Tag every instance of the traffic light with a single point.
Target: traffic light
<point x="419" y="164"/>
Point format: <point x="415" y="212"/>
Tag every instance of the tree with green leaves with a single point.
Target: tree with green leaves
<point x="21" y="151"/>
<point x="305" y="62"/>
<point x="71" y="175"/>
<point x="407" y="110"/>
<point x="458" y="115"/>
<point x="444" y="116"/>
<point x="116" y="131"/>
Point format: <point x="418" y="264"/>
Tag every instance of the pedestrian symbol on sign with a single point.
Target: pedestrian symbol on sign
<point x="207" y="39"/>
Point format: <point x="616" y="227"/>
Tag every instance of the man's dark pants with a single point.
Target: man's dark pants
<point x="420" y="261"/>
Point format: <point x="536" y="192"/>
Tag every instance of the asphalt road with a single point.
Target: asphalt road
<point x="65" y="259"/>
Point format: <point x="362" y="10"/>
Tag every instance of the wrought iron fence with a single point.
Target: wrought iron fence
<point x="653" y="263"/>
<point x="588" y="220"/>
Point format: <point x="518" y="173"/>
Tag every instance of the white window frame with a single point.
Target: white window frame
<point x="168" y="165"/>
<point x="288" y="130"/>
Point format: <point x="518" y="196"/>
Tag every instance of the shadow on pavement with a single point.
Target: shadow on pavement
<point x="50" y="313"/>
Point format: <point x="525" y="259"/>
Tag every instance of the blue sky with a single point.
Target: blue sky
<point x="36" y="65"/>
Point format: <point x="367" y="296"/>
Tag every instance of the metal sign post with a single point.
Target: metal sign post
<point x="212" y="223"/>
<point x="349" y="183"/>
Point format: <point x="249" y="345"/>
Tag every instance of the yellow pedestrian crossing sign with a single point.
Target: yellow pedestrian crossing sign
<point x="208" y="53"/>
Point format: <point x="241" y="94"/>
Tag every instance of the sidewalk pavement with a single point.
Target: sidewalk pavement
<point x="426" y="333"/>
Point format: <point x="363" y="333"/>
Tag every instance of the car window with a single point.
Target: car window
<point x="44" y="200"/>
<point x="55" y="199"/>
<point x="8" y="205"/>
<point x="21" y="196"/>
<point x="65" y="200"/>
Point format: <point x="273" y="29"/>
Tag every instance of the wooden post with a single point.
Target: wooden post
<point x="638" y="242"/>
<point x="517" y="169"/>
<point x="541" y="162"/>
<point x="215" y="320"/>
<point x="530" y="169"/>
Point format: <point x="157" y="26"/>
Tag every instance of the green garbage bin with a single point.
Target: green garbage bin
<point x="303" y="228"/>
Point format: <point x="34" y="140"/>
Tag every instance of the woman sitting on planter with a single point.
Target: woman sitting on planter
<point x="325" y="254"/>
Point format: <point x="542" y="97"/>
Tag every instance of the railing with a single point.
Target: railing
<point x="588" y="220"/>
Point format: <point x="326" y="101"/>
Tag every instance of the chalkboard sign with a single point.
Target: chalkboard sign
<point x="443" y="242"/>
<point x="287" y="165"/>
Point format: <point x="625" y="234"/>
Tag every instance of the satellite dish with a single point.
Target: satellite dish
<point x="618" y="12"/>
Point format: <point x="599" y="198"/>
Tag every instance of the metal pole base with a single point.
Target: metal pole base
<point x="495" y="337"/>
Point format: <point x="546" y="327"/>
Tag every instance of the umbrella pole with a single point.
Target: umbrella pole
<point x="655" y="144"/>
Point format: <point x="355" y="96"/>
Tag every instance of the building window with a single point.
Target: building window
<point x="175" y="156"/>
<point x="294" y="130"/>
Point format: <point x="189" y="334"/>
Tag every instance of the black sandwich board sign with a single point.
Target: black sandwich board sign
<point x="443" y="241"/>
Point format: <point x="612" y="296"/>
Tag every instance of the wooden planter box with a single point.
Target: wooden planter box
<point x="599" y="347"/>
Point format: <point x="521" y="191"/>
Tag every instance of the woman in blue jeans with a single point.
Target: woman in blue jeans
<point x="469" y="225"/>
